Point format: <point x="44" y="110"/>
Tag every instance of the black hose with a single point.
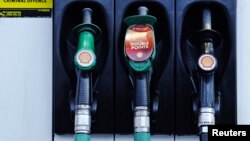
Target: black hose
<point x="141" y="91"/>
<point x="83" y="89"/>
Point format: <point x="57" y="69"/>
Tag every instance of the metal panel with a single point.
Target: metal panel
<point x="26" y="79"/>
<point x="243" y="67"/>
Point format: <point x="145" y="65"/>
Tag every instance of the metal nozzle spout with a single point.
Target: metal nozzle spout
<point x="207" y="22"/>
<point x="87" y="15"/>
<point x="142" y="10"/>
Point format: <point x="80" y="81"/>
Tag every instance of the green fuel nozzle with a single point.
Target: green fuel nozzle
<point x="139" y="46"/>
<point x="139" y="51"/>
<point x="85" y="60"/>
<point x="87" y="33"/>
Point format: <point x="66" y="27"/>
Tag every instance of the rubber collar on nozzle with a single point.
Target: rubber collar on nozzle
<point x="86" y="25"/>
<point x="207" y="34"/>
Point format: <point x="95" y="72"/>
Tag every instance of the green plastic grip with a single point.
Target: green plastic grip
<point x="144" y="136"/>
<point x="82" y="137"/>
<point x="140" y="66"/>
<point x="86" y="42"/>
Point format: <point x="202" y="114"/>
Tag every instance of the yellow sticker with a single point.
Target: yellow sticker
<point x="13" y="4"/>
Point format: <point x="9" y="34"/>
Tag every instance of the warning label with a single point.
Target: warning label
<point x="44" y="1"/>
<point x="26" y="8"/>
<point x="26" y="3"/>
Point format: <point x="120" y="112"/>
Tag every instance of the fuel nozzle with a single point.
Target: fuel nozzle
<point x="86" y="34"/>
<point x="139" y="46"/>
<point x="206" y="40"/>
<point x="85" y="59"/>
<point x="206" y="35"/>
<point x="139" y="51"/>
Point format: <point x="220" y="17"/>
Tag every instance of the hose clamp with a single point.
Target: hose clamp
<point x="82" y="119"/>
<point x="141" y="119"/>
<point x="206" y="116"/>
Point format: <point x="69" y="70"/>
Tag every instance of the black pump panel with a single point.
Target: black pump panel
<point x="188" y="22"/>
<point x="161" y="86"/>
<point x="67" y="15"/>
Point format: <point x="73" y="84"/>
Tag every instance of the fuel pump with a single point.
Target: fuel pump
<point x="206" y="40"/>
<point x="139" y="50"/>
<point x="85" y="60"/>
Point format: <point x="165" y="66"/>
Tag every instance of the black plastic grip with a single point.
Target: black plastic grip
<point x="83" y="90"/>
<point x="141" y="91"/>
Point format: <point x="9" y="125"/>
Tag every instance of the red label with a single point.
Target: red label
<point x="139" y="42"/>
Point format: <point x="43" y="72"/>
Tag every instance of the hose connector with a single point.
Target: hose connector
<point x="82" y="119"/>
<point x="141" y="119"/>
<point x="206" y="116"/>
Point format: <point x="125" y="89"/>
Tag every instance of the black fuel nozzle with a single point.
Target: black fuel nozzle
<point x="207" y="61"/>
<point x="139" y="52"/>
<point x="206" y="40"/>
